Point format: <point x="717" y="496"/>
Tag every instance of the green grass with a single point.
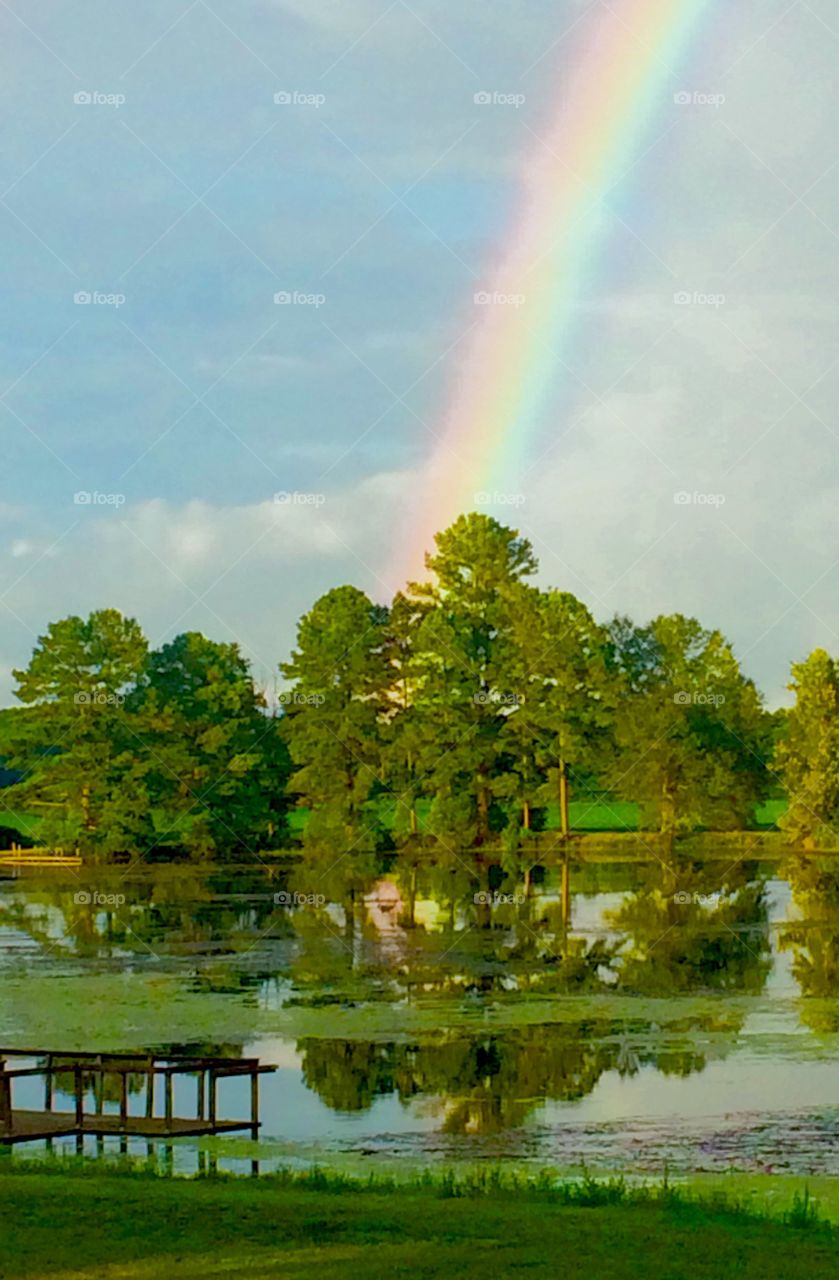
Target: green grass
<point x="26" y="823"/>
<point x="767" y="815"/>
<point x="133" y="1226"/>
<point x="595" y="814"/>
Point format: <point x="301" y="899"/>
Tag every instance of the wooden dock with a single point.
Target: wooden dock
<point x="91" y="1072"/>
<point x="38" y="856"/>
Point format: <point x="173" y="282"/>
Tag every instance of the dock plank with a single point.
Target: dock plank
<point x="29" y="1126"/>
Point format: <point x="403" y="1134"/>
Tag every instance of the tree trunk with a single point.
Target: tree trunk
<point x="668" y="814"/>
<point x="483" y="810"/>
<point x="564" y="823"/>
<point x="566" y="889"/>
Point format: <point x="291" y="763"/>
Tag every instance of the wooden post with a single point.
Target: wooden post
<point x="200" y="1099"/>
<point x="254" y="1105"/>
<point x="99" y="1094"/>
<point x="123" y="1098"/>
<point x="168" y="1098"/>
<point x="79" y="1091"/>
<point x="5" y="1098"/>
<point x="150" y="1089"/>
<point x="48" y="1084"/>
<point x="213" y="1083"/>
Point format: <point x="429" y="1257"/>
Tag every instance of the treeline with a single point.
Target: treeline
<point x="119" y="749"/>
<point x="463" y="715"/>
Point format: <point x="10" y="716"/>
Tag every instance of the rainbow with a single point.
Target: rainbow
<point x="621" y="99"/>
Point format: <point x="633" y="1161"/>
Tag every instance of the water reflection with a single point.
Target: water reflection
<point x="490" y="1083"/>
<point x="424" y="930"/>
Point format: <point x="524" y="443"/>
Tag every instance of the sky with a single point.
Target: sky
<point x="241" y="247"/>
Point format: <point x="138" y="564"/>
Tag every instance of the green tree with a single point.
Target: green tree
<point x="333" y="710"/>
<point x="556" y="655"/>
<point x="73" y="745"/>
<point x="218" y="768"/>
<point x="690" y="730"/>
<point x="808" y="754"/>
<point x="462" y="694"/>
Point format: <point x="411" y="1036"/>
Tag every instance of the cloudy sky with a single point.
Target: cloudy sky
<point x="180" y="197"/>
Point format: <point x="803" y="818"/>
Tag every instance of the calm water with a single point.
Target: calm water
<point x="687" y="1018"/>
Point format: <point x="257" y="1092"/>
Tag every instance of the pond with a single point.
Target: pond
<point x="682" y="1017"/>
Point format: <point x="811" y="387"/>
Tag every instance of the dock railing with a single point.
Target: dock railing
<point x="92" y="1070"/>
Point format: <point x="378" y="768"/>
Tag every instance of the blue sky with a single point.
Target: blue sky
<point x="380" y="193"/>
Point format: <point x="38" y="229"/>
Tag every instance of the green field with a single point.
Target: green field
<point x="585" y="815"/>
<point x="135" y="1227"/>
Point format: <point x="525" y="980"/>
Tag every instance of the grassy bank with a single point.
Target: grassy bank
<point x="63" y="1223"/>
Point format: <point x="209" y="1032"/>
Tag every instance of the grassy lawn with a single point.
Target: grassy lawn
<point x="64" y="1224"/>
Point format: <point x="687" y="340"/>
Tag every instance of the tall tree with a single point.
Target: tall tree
<point x="556" y="656"/>
<point x="339" y="679"/>
<point x="690" y="732"/>
<point x="217" y="765"/>
<point x="808" y="754"/>
<point x="462" y="691"/>
<point x="73" y="745"/>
